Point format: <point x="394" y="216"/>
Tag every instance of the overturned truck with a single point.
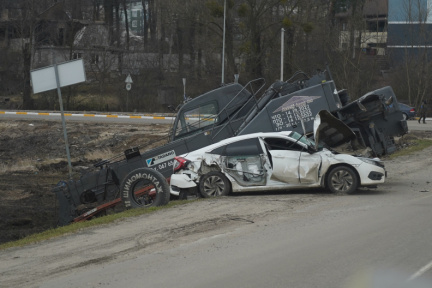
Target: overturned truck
<point x="140" y="179"/>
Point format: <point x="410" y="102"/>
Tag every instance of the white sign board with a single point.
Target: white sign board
<point x="69" y="73"/>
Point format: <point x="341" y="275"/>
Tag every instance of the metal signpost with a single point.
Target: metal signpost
<point x="184" y="89"/>
<point x="57" y="76"/>
<point x="282" y="52"/>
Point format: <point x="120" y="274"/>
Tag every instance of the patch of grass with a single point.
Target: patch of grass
<point x="99" y="154"/>
<point x="415" y="146"/>
<point x="75" y="227"/>
<point x="19" y="165"/>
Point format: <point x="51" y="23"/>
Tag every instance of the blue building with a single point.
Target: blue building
<point x="409" y="29"/>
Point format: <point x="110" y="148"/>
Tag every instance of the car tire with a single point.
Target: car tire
<point x="342" y="180"/>
<point x="404" y="116"/>
<point x="214" y="184"/>
<point x="156" y="189"/>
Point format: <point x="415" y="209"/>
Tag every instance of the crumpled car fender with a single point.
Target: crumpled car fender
<point x="331" y="159"/>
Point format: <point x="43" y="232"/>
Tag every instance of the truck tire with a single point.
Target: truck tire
<point x="342" y="180"/>
<point x="144" y="187"/>
<point x="214" y="184"/>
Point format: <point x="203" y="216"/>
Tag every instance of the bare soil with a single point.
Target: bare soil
<point x="33" y="160"/>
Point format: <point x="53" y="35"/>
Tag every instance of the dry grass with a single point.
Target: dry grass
<point x="27" y="165"/>
<point x="31" y="165"/>
<point x="99" y="154"/>
<point x="415" y="146"/>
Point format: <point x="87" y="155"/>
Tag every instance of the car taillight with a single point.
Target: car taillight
<point x="180" y="163"/>
<point x="412" y="110"/>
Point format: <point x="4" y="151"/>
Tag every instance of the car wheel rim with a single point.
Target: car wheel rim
<point x="342" y="180"/>
<point x="405" y="117"/>
<point x="214" y="186"/>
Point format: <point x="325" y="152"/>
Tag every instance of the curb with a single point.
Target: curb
<point x="89" y="115"/>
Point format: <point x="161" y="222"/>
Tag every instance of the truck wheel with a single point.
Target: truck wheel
<point x="342" y="180"/>
<point x="214" y="184"/>
<point x="144" y="187"/>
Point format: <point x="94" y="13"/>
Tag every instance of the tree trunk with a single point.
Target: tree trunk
<point x="109" y="19"/>
<point x="180" y="46"/>
<point x="229" y="47"/>
<point x="126" y="24"/>
<point x="27" y="100"/>
<point x="152" y="19"/>
<point x="146" y="23"/>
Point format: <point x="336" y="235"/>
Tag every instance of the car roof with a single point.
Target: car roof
<point x="241" y="137"/>
<point x="406" y="105"/>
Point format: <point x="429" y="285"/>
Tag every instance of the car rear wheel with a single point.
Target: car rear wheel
<point x="342" y="180"/>
<point x="214" y="184"/>
<point x="404" y="116"/>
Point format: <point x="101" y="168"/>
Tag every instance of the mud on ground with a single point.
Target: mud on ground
<point x="33" y="160"/>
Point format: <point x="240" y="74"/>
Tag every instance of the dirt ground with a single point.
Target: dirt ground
<point x="33" y="161"/>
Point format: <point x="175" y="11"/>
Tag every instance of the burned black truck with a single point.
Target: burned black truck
<point x="140" y="179"/>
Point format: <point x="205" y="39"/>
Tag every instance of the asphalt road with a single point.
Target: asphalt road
<point x="414" y="125"/>
<point x="374" y="239"/>
<point x="364" y="241"/>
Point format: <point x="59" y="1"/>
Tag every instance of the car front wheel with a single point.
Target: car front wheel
<point x="342" y="180"/>
<point x="214" y="184"/>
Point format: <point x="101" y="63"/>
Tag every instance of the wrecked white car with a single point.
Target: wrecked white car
<point x="271" y="161"/>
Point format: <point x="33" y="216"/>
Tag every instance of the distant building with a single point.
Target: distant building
<point x="135" y="15"/>
<point x="48" y="44"/>
<point x="373" y="38"/>
<point x="409" y="29"/>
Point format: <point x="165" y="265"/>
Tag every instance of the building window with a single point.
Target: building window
<point x="76" y="55"/>
<point x="134" y="23"/>
<point x="134" y="13"/>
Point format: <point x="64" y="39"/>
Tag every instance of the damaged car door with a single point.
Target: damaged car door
<point x="245" y="162"/>
<point x="291" y="161"/>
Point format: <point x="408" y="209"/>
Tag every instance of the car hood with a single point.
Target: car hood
<point x="330" y="130"/>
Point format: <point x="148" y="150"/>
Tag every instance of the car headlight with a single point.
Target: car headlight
<point x="375" y="162"/>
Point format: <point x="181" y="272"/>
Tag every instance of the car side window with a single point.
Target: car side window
<point x="243" y="147"/>
<point x="282" y="144"/>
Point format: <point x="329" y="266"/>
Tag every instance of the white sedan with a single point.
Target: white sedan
<point x="271" y="161"/>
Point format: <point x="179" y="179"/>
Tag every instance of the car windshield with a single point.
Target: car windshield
<point x="195" y="119"/>
<point x="303" y="139"/>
